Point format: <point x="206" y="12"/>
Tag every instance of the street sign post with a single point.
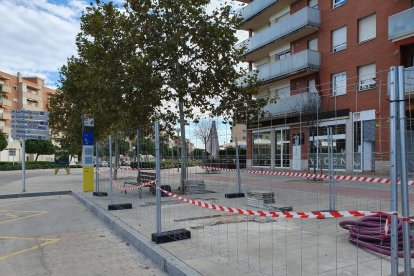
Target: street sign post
<point x="33" y="125"/>
<point x="87" y="152"/>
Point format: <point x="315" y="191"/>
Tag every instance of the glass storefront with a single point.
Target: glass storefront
<point x="318" y="157"/>
<point x="262" y="149"/>
<point x="282" y="151"/>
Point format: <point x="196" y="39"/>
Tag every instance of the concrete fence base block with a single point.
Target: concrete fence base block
<point x="162" y="258"/>
<point x="119" y="206"/>
<point x="100" y="194"/>
<point x="170" y="236"/>
<point x="234" y="195"/>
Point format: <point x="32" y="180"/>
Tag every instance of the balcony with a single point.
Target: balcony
<point x="260" y="11"/>
<point x="401" y="25"/>
<point x="5" y="102"/>
<point x="5" y="116"/>
<point x="298" y="25"/>
<point x="302" y="63"/>
<point x="5" y="88"/>
<point x="305" y="102"/>
<point x="34" y="97"/>
<point x="32" y="108"/>
<point x="5" y="129"/>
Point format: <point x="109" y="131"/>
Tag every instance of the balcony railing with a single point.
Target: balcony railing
<point x="5" y="88"/>
<point x="5" y="116"/>
<point x="5" y="129"/>
<point x="32" y="96"/>
<point x="401" y="24"/>
<point x="32" y="108"/>
<point x="305" y="102"/>
<point x="304" y="60"/>
<point x="5" y="102"/>
<point x="297" y="21"/>
<point x="255" y="7"/>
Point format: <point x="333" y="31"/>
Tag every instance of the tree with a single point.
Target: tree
<point x="39" y="147"/>
<point x="108" y="80"/>
<point x="311" y="114"/>
<point x="203" y="131"/>
<point x="3" y="141"/>
<point x="163" y="59"/>
<point x="196" y="57"/>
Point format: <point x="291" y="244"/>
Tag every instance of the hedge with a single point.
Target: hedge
<point x="30" y="165"/>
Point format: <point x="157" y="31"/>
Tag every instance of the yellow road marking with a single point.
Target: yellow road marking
<point x="23" y="201"/>
<point x="48" y="241"/>
<point x="36" y="213"/>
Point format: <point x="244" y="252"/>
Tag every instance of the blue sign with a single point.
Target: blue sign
<point x="87" y="138"/>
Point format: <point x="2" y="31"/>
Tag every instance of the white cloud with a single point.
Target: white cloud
<point x="37" y="36"/>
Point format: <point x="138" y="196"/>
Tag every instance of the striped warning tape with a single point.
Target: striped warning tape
<point x="275" y="214"/>
<point x="122" y="187"/>
<point x="126" y="188"/>
<point x="312" y="175"/>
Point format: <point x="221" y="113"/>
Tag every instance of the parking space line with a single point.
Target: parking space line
<point x="10" y="213"/>
<point x="47" y="241"/>
<point x="23" y="201"/>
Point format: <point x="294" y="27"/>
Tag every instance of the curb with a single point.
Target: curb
<point x="36" y="194"/>
<point x="162" y="258"/>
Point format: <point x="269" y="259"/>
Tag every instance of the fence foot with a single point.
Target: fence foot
<point x="100" y="194"/>
<point x="120" y="206"/>
<point x="234" y="195"/>
<point x="170" y="236"/>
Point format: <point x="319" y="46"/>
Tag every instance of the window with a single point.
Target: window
<point x="338" y="3"/>
<point x="367" y="28"/>
<point x="339" y="84"/>
<point x="366" y="77"/>
<point x="283" y="55"/>
<point x="339" y="40"/>
<point x="313" y="44"/>
<point x="313" y="4"/>
<point x="312" y="86"/>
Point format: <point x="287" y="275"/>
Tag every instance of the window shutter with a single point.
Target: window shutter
<point x="367" y="28"/>
<point x="366" y="76"/>
<point x="339" y="39"/>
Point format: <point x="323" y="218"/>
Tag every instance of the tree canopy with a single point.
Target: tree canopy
<point x="3" y="141"/>
<point x="150" y="59"/>
<point x="39" y="147"/>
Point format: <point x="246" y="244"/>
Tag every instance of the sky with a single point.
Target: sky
<point x="37" y="36"/>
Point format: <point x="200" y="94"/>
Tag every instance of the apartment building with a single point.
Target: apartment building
<point x="324" y="65"/>
<point x="18" y="92"/>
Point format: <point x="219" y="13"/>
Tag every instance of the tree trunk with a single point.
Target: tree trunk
<point x="37" y="156"/>
<point x="183" y="145"/>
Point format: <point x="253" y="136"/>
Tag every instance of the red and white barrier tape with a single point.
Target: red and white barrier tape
<point x="274" y="214"/>
<point x="122" y="187"/>
<point x="125" y="188"/>
<point x="311" y="175"/>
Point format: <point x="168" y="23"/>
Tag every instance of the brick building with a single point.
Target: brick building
<point x="326" y="64"/>
<point x="18" y="92"/>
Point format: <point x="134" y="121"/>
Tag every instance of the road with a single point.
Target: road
<point x="40" y="181"/>
<point x="57" y="235"/>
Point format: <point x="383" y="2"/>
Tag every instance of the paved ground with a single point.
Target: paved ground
<point x="223" y="244"/>
<point x="40" y="181"/>
<point x="57" y="235"/>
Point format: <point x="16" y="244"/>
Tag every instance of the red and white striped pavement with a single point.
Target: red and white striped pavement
<point x="311" y="175"/>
